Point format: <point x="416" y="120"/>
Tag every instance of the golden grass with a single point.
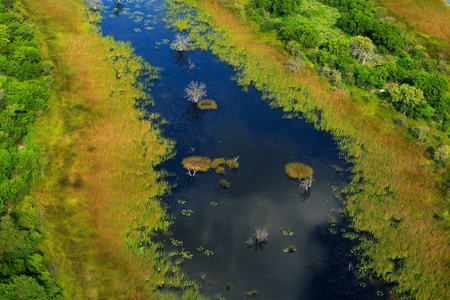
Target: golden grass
<point x="101" y="187"/>
<point x="393" y="179"/>
<point x="429" y="16"/>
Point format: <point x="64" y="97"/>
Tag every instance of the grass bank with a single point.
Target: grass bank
<point x="101" y="192"/>
<point x="396" y="190"/>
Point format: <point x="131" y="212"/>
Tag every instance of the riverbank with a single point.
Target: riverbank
<point x="393" y="197"/>
<point x="101" y="191"/>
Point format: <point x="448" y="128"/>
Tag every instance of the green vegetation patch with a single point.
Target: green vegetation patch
<point x="298" y="171"/>
<point x="207" y="104"/>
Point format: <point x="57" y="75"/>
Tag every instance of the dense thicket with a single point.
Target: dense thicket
<point x="24" y="81"/>
<point x="351" y="44"/>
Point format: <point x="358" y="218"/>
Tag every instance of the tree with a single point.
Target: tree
<point x="181" y="42"/>
<point x="362" y="49"/>
<point x="196" y="163"/>
<point x="433" y="86"/>
<point x="406" y="98"/>
<point x="195" y="91"/>
<point x="388" y="36"/>
<point x="339" y="46"/>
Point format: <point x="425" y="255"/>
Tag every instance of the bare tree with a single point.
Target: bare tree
<point x="181" y="42"/>
<point x="295" y="64"/>
<point x="306" y="183"/>
<point x="260" y="235"/>
<point x="195" y="91"/>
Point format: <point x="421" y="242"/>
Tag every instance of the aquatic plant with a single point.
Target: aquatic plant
<point x="207" y="104"/>
<point x="217" y="162"/>
<point x="290" y="249"/>
<point x="220" y="170"/>
<point x="232" y="163"/>
<point x="225" y="184"/>
<point x="252" y="293"/>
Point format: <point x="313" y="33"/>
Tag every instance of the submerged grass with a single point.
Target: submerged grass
<point x="101" y="194"/>
<point x="393" y="178"/>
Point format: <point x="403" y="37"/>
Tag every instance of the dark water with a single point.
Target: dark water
<point x="214" y="223"/>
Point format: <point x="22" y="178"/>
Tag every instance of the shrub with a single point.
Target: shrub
<point x="207" y="104"/>
<point x="225" y="184"/>
<point x="232" y="163"/>
<point x="298" y="171"/>
<point x="217" y="162"/>
<point x="406" y="98"/>
<point x="442" y="155"/>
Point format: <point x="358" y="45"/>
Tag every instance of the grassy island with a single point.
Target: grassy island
<point x="298" y="171"/>
<point x="207" y="104"/>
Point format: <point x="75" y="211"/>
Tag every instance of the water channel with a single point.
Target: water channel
<point x="214" y="223"/>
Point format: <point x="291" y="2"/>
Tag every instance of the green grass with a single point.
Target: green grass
<point x="392" y="177"/>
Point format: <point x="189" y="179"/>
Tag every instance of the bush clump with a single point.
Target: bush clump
<point x="232" y="163"/>
<point x="217" y="162"/>
<point x="298" y="171"/>
<point x="225" y="184"/>
<point x="207" y="104"/>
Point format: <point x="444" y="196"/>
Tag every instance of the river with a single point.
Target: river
<point x="214" y="223"/>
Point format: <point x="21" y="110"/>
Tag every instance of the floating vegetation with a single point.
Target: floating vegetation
<point x="252" y="293"/>
<point x="228" y="286"/>
<point x="213" y="203"/>
<point x="137" y="30"/>
<point x="232" y="163"/>
<point x="217" y="162"/>
<point x="187" y="212"/>
<point x="186" y="254"/>
<point x="176" y="242"/>
<point x="290" y="249"/>
<point x="220" y="170"/>
<point x="181" y="202"/>
<point x="149" y="28"/>
<point x="288" y="232"/>
<point x="200" y="249"/>
<point x="225" y="184"/>
<point x="209" y="252"/>
<point x="207" y="104"/>
<point x="202" y="276"/>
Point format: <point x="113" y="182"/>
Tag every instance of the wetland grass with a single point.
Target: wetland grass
<point x="392" y="177"/>
<point x="98" y="234"/>
<point x="207" y="104"/>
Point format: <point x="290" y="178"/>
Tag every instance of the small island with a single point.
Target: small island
<point x="207" y="104"/>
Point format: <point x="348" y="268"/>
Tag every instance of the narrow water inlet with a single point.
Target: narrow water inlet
<point x="214" y="223"/>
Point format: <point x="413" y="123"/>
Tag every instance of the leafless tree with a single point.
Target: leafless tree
<point x="181" y="42"/>
<point x="191" y="65"/>
<point x="306" y="183"/>
<point x="295" y="64"/>
<point x="260" y="235"/>
<point x="195" y="91"/>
